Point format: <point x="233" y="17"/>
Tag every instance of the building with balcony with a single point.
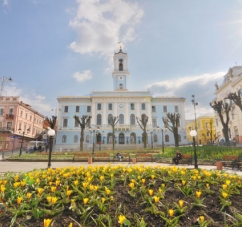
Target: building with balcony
<point x="121" y="102"/>
<point x="18" y="120"/>
<point x="232" y="82"/>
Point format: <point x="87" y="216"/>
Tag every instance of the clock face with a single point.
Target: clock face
<point x="121" y="105"/>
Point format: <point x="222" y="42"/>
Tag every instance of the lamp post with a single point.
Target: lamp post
<point x="101" y="141"/>
<point x="93" y="132"/>
<point x="2" y="83"/>
<point x="51" y="134"/>
<point x="163" y="145"/>
<point x="193" y="134"/>
<point x="194" y="105"/>
<point x="21" y="147"/>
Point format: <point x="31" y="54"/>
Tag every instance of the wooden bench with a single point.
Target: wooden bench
<point x="81" y="157"/>
<point x="140" y="157"/>
<point x="186" y="158"/>
<point x="125" y="157"/>
<point x="230" y="161"/>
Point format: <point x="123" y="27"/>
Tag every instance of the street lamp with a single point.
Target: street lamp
<point x="194" y="105"/>
<point x="193" y="134"/>
<point x="101" y="141"/>
<point x="21" y="147"/>
<point x="51" y="134"/>
<point x="163" y="146"/>
<point x="93" y="132"/>
<point x="2" y="83"/>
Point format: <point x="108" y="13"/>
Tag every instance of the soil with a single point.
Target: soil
<point x="130" y="206"/>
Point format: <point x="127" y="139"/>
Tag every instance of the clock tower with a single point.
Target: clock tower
<point x="120" y="73"/>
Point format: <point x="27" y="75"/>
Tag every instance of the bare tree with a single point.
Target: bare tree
<point x="142" y="122"/>
<point x="220" y="107"/>
<point x="113" y="121"/>
<point x="172" y="122"/>
<point x="236" y="98"/>
<point x="83" y="123"/>
<point x="51" y="121"/>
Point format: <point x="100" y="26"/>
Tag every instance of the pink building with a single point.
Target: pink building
<point x="18" y="122"/>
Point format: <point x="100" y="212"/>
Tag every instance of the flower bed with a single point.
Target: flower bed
<point x="121" y="196"/>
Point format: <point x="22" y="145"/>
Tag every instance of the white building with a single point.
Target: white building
<point x="121" y="102"/>
<point x="232" y="83"/>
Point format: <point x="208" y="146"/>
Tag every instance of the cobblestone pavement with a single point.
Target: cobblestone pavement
<point x="6" y="166"/>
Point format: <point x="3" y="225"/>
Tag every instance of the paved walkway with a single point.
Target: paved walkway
<point x="17" y="167"/>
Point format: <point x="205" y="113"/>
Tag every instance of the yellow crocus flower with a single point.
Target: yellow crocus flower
<point x="108" y="191"/>
<point x="183" y="182"/>
<point x="57" y="182"/>
<point x="131" y="185"/>
<point x="23" y="183"/>
<point x="198" y="194"/>
<point x="163" y="185"/>
<point x="224" y="186"/>
<point x="150" y="191"/>
<point x="19" y="200"/>
<point x="68" y="192"/>
<point x="171" y="212"/>
<point x="152" y="176"/>
<point x="40" y="190"/>
<point x="76" y="182"/>
<point x="53" y="200"/>
<point x="3" y="188"/>
<point x="103" y="200"/>
<point x="48" y="199"/>
<point x="53" y="189"/>
<point x="70" y="225"/>
<point x="85" y="201"/>
<point x="121" y="219"/>
<point x="156" y="198"/>
<point x="228" y="182"/>
<point x="225" y="195"/>
<point x="101" y="178"/>
<point x="201" y="218"/>
<point x="29" y="195"/>
<point x="143" y="181"/>
<point x="84" y="184"/>
<point x="181" y="203"/>
<point x="37" y="181"/>
<point x="47" y="222"/>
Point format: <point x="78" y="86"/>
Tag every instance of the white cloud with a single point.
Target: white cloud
<point x="82" y="77"/>
<point x="5" y="3"/>
<point x="100" y="25"/>
<point x="202" y="86"/>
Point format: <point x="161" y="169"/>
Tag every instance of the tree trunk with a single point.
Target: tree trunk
<point x="82" y="139"/>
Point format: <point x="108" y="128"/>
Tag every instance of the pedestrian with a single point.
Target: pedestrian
<point x="119" y="156"/>
<point x="177" y="157"/>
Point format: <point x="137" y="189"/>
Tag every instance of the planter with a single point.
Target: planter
<point x="134" y="160"/>
<point x="89" y="160"/>
<point x="219" y="165"/>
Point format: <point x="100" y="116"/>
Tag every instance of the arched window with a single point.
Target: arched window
<point x="166" y="138"/>
<point x="155" y="138"/>
<point x="132" y="138"/>
<point x="121" y="138"/>
<point x="179" y="138"/>
<point x="87" y="139"/>
<point x="99" y="119"/>
<point x="121" y="119"/>
<point x="64" y="139"/>
<point x="120" y="86"/>
<point x="120" y="64"/>
<point x="132" y="119"/>
<point x="110" y="138"/>
<point x="110" y="119"/>
<point x="75" y="139"/>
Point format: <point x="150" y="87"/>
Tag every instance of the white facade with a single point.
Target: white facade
<point x="121" y="102"/>
<point x="232" y="83"/>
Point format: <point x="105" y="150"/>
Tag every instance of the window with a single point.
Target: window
<point x="132" y="119"/>
<point x="9" y="125"/>
<point x="76" y="124"/>
<point x="176" y="109"/>
<point x="121" y="119"/>
<point x="132" y="106"/>
<point x="120" y="86"/>
<point x="153" y="109"/>
<point x="154" y="123"/>
<point x="21" y="113"/>
<point x="179" y="138"/>
<point x="77" y="109"/>
<point x="19" y="126"/>
<point x="66" y="109"/>
<point x="155" y="138"/>
<point x="164" y="109"/>
<point x="65" y="123"/>
<point x="88" y="109"/>
<point x="26" y="116"/>
<point x="75" y="139"/>
<point x="110" y="106"/>
<point x="166" y="138"/>
<point x="143" y="106"/>
<point x="30" y="117"/>
<point x="11" y="111"/>
<point x="99" y="119"/>
<point x="1" y="111"/>
<point x="99" y="107"/>
<point x="120" y="64"/>
<point x="110" y="119"/>
<point x="64" y="139"/>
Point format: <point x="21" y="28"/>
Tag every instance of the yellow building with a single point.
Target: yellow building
<point x="206" y="133"/>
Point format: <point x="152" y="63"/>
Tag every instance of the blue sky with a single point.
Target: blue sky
<point x="65" y="48"/>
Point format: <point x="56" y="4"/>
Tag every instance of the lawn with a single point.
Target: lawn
<point x="121" y="196"/>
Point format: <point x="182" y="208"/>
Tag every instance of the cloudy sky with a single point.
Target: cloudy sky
<point x="65" y="48"/>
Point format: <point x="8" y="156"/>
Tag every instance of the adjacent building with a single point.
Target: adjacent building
<point x="232" y="82"/>
<point x="19" y="122"/>
<point x="121" y="102"/>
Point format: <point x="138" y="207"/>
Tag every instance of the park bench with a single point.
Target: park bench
<point x="186" y="159"/>
<point x="101" y="157"/>
<point x="81" y="157"/>
<point x="141" y="157"/>
<point x="125" y="157"/>
<point x="230" y="161"/>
